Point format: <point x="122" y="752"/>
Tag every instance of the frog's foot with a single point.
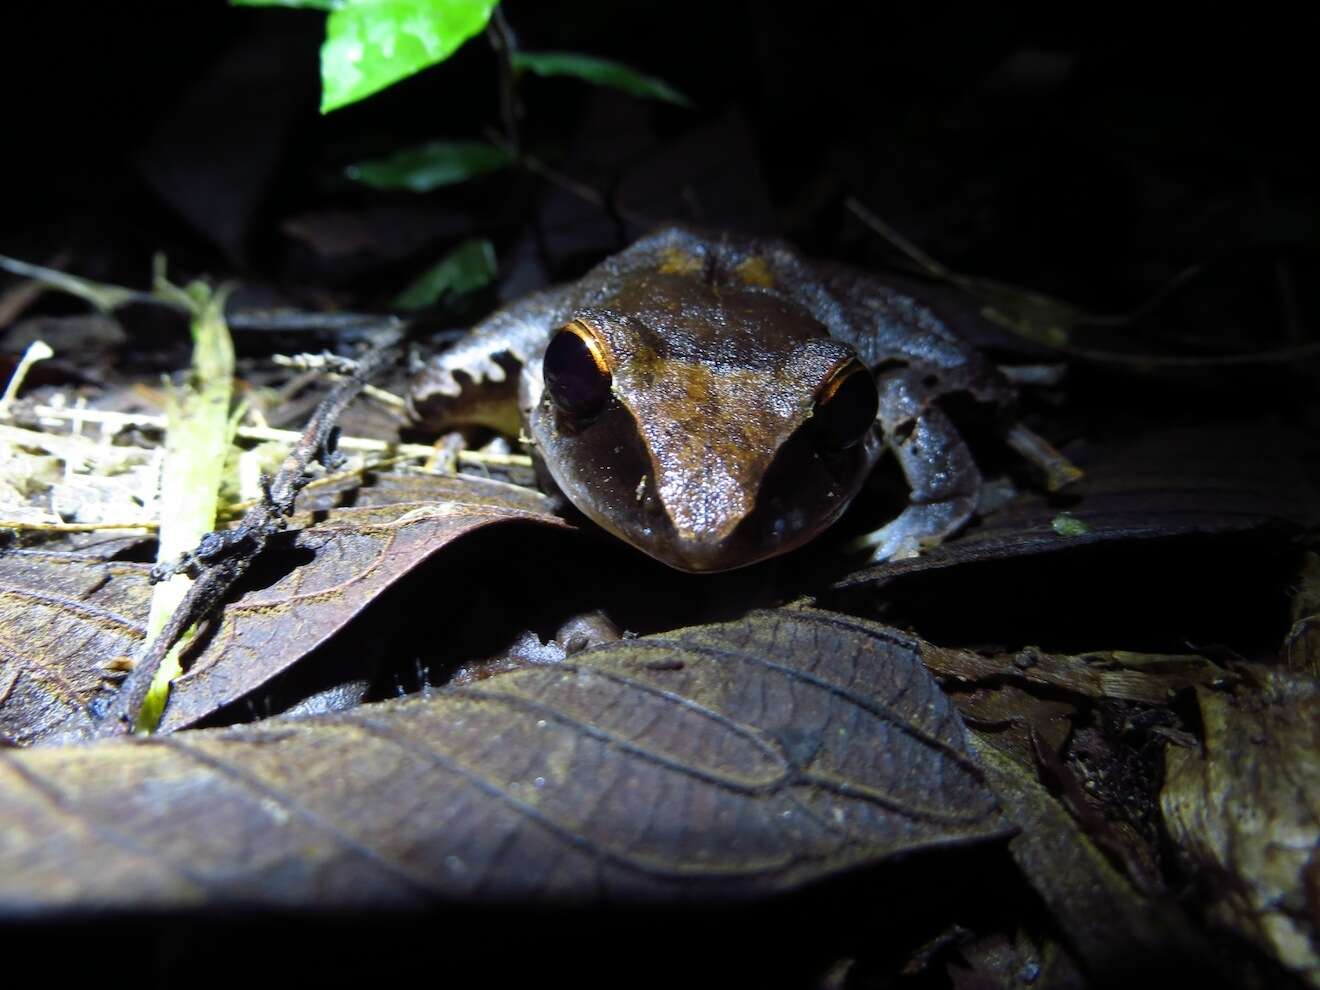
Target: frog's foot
<point x="945" y="482"/>
<point x="916" y="528"/>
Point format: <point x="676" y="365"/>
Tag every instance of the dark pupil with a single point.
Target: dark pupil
<point x="576" y="383"/>
<point x="846" y="415"/>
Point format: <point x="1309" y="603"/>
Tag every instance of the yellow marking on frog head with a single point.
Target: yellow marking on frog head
<point x="675" y="261"/>
<point x="754" y="271"/>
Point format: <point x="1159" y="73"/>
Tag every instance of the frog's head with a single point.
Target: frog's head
<point x="709" y="426"/>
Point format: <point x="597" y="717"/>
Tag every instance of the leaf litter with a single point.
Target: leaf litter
<point x="73" y="622"/>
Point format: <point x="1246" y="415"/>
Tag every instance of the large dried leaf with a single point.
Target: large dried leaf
<point x="1247" y="812"/>
<point x="335" y="569"/>
<point x="64" y="619"/>
<point x="1171" y="484"/>
<point x="716" y="762"/>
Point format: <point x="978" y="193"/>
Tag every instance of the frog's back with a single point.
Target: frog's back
<point x="882" y="323"/>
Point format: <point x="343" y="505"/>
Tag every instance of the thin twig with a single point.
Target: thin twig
<point x="504" y="43"/>
<point x="334" y="368"/>
<point x="15" y="299"/>
<point x="225" y="556"/>
<point x="38" y="350"/>
<point x="101" y="295"/>
<point x="147" y="525"/>
<point x="344" y="326"/>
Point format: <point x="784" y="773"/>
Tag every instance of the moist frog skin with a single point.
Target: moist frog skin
<point x="715" y="401"/>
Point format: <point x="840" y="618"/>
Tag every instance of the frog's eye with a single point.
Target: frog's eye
<point x="575" y="371"/>
<point x="846" y="406"/>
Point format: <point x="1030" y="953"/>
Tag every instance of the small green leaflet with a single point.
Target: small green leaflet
<point x="467" y="268"/>
<point x="429" y="166"/>
<point x="600" y="72"/>
<point x="1066" y="524"/>
<point x="372" y="44"/>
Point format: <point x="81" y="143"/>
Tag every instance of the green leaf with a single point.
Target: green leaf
<point x="372" y="44"/>
<point x="431" y="165"/>
<point x="197" y="437"/>
<point x="467" y="268"/>
<point x="1066" y="524"/>
<point x="599" y="72"/>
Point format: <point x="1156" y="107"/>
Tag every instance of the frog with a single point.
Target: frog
<point x="718" y="400"/>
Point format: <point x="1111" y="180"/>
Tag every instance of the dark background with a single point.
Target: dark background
<point x="1091" y="158"/>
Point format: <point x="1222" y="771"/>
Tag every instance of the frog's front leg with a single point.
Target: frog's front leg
<point x="470" y="381"/>
<point x="944" y="480"/>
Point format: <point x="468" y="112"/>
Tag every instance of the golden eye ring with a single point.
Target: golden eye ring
<point x="846" y="406"/>
<point x="575" y="371"/>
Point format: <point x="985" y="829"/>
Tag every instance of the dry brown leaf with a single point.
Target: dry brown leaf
<point x="717" y="763"/>
<point x="1247" y="812"/>
<point x="336" y="568"/>
<point x="66" y="621"/>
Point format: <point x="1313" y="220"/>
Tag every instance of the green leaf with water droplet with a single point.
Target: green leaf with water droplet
<point x="372" y="44"/>
<point x="599" y="72"/>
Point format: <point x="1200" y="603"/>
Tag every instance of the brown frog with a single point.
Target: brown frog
<point x="718" y="401"/>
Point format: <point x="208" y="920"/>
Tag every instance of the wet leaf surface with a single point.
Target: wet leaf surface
<point x="369" y="46"/>
<point x="1246" y="811"/>
<point x="1190" y="482"/>
<point x="713" y="763"/>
